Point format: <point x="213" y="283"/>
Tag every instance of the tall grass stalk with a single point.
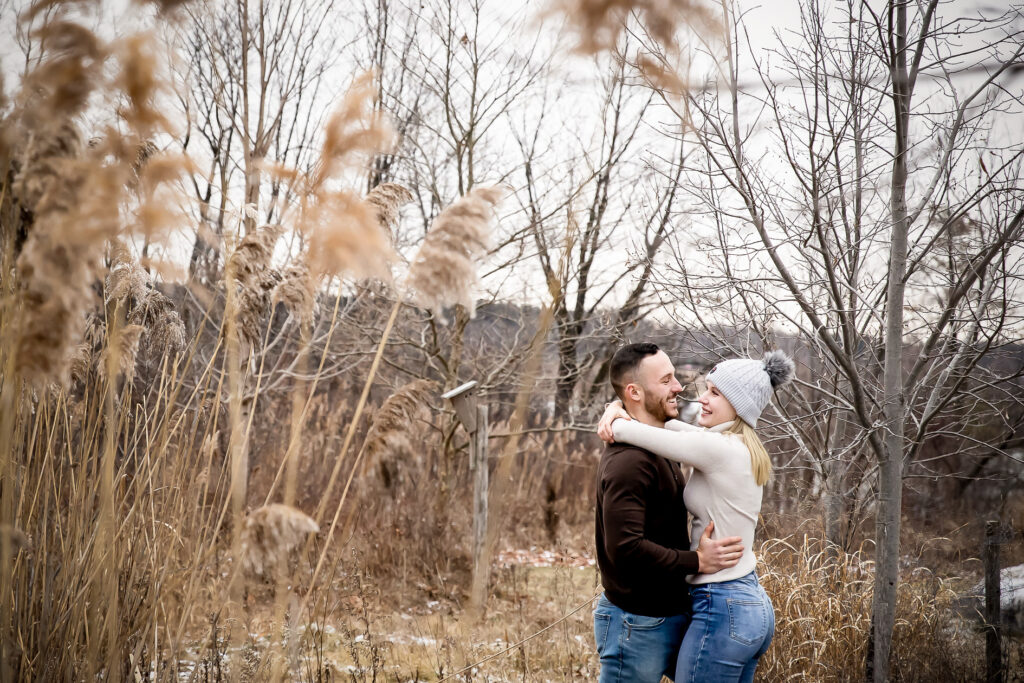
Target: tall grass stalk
<point x="332" y="326"/>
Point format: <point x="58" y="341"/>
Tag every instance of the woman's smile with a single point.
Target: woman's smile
<point x="715" y="409"/>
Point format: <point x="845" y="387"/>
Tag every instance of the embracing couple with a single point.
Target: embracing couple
<point x="690" y="610"/>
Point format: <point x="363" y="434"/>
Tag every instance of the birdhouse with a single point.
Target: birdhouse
<point x="463" y="399"/>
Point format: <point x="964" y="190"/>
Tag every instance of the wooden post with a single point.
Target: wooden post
<point x="478" y="465"/>
<point x="993" y="642"/>
<point x="474" y="418"/>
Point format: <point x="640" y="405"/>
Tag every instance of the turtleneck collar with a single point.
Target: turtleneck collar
<point x="722" y="427"/>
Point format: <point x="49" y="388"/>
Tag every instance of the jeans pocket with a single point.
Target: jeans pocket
<point x="602" y="622"/>
<point x="747" y="620"/>
<point x="637" y="622"/>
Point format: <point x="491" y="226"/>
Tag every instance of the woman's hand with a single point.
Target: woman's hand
<point x="612" y="412"/>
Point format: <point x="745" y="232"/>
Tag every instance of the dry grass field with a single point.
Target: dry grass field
<point x="251" y="478"/>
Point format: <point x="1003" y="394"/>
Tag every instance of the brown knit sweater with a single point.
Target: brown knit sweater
<point x="643" y="544"/>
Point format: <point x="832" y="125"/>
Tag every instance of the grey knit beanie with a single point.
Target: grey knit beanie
<point x="748" y="383"/>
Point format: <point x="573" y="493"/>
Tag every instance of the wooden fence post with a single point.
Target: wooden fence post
<point x="478" y="464"/>
<point x="474" y="419"/>
<point x="993" y="641"/>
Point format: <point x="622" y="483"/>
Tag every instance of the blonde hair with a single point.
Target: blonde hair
<point x="760" y="463"/>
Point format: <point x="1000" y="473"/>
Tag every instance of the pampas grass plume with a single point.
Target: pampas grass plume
<point x="46" y="168"/>
<point x="251" y="257"/>
<point x="270" y="534"/>
<point x="387" y="199"/>
<point x="345" y="233"/>
<point x="139" y="81"/>
<point x="61" y="85"/>
<point x="347" y="237"/>
<point x="599" y="23"/>
<point x="344" y="230"/>
<point x="254" y="280"/>
<point x="125" y="353"/>
<point x="353" y="128"/>
<point x="54" y="296"/>
<point x="126" y="282"/>
<point x="297" y="293"/>
<point x="443" y="271"/>
<point x="393" y="423"/>
<point x="128" y="285"/>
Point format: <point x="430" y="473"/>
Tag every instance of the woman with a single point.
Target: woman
<point x="733" y="621"/>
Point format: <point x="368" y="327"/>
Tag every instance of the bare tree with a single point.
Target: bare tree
<point x="594" y="204"/>
<point x="254" y="77"/>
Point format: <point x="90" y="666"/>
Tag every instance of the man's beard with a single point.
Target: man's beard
<point x="656" y="409"/>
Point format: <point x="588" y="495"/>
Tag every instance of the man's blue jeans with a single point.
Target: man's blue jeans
<point x="733" y="624"/>
<point x="636" y="648"/>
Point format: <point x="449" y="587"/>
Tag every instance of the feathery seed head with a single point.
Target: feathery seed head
<point x="129" y="285"/>
<point x="270" y="534"/>
<point x="124" y="353"/>
<point x="353" y="128"/>
<point x="346" y="237"/>
<point x="297" y="292"/>
<point x="392" y="428"/>
<point x="387" y="199"/>
<point x="47" y="168"/>
<point x="140" y="82"/>
<point x="62" y="83"/>
<point x="252" y="255"/>
<point x="54" y="297"/>
<point x="443" y="272"/>
<point x="599" y="23"/>
<point x="254" y="280"/>
<point x="344" y="232"/>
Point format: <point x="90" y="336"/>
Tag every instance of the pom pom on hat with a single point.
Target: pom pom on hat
<point x="779" y="368"/>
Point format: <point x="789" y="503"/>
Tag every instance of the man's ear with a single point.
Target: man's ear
<point x="633" y="392"/>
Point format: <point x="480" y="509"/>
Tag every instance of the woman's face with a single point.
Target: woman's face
<point x="714" y="408"/>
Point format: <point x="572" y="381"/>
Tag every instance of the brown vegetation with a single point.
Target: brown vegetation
<point x="156" y="479"/>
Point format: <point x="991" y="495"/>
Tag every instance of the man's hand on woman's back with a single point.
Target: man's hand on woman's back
<point x="717" y="555"/>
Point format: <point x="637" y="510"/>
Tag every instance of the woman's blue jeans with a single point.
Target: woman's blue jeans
<point x="634" y="648"/>
<point x="733" y="624"/>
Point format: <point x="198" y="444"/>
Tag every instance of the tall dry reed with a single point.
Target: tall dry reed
<point x="86" y="475"/>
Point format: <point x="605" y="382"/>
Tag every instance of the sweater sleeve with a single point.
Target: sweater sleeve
<point x="701" y="449"/>
<point x="680" y="426"/>
<point x="624" y="508"/>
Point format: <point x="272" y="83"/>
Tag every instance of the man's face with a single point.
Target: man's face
<point x="657" y="379"/>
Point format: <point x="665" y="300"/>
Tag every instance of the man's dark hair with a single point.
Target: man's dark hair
<point x="624" y="364"/>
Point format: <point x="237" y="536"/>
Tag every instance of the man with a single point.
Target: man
<point x="643" y="539"/>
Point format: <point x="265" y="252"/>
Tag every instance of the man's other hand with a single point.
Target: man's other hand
<point x="715" y="556"/>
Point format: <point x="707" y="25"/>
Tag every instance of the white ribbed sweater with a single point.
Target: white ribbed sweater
<point x="721" y="487"/>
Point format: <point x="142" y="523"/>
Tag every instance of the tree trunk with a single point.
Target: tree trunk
<point x="568" y="371"/>
<point x="890" y="489"/>
<point x="832" y="500"/>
